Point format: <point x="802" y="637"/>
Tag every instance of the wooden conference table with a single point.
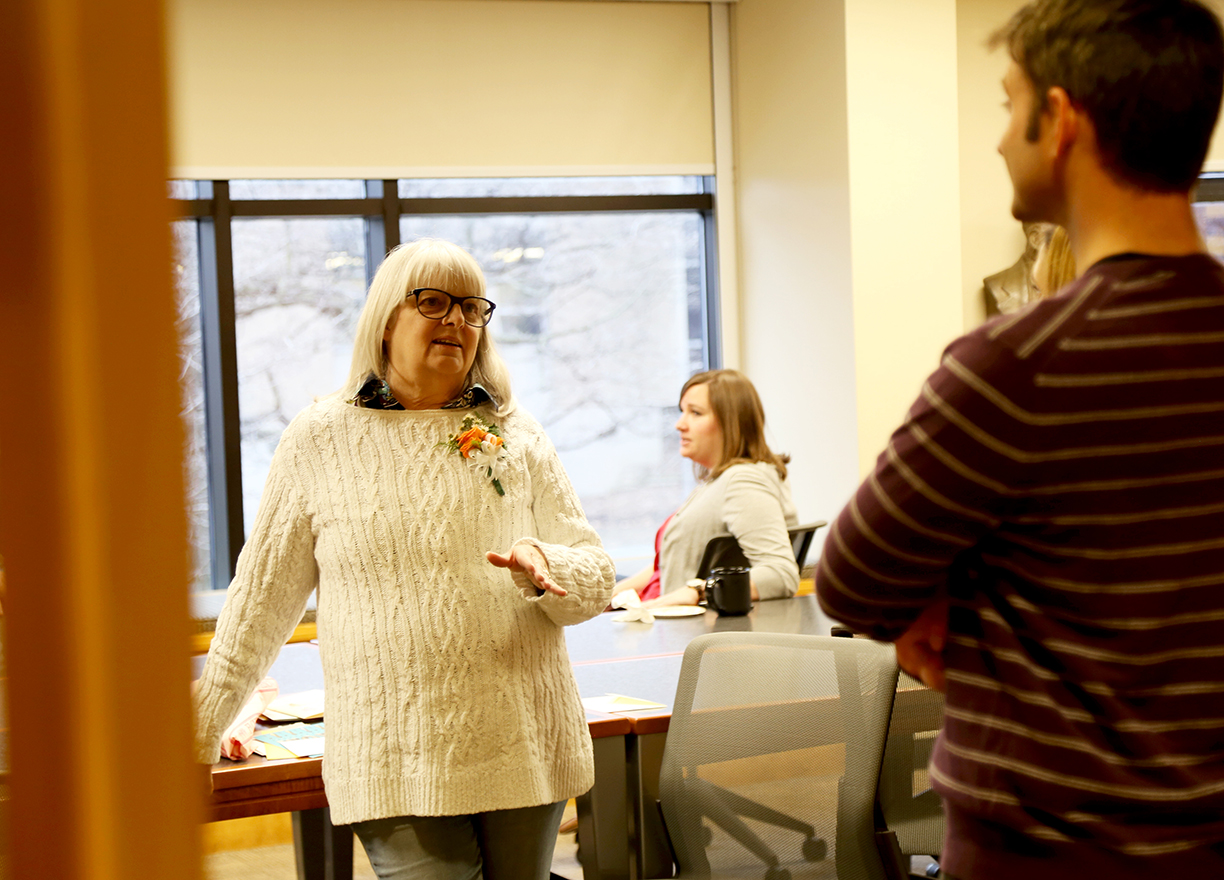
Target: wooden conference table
<point x="618" y="829"/>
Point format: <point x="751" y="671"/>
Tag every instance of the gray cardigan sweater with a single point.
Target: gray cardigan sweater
<point x="748" y="501"/>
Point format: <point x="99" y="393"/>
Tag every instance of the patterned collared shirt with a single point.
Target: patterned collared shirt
<point x="376" y="394"/>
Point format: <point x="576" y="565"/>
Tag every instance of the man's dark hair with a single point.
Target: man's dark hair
<point x="1148" y="73"/>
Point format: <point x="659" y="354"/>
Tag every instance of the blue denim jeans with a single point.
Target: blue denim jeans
<point x="497" y="845"/>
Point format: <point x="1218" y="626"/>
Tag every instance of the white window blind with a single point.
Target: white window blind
<point x="438" y="88"/>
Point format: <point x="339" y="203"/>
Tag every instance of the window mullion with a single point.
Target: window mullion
<point x="220" y="383"/>
<point x="391" y="214"/>
<point x="382" y="230"/>
<point x="709" y="288"/>
<point x="375" y="234"/>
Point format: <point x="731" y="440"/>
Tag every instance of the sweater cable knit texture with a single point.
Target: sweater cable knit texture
<point x="448" y="684"/>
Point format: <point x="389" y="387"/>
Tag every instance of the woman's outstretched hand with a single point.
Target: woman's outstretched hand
<point x="528" y="559"/>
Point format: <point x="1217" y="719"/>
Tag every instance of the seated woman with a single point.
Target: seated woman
<point x="743" y="493"/>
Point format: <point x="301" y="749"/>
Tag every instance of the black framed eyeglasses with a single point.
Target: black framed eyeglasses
<point x="437" y="304"/>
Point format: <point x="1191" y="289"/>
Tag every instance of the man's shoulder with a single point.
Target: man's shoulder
<point x="1129" y="279"/>
<point x="1112" y="287"/>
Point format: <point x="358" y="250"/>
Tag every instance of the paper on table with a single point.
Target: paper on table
<point x="305" y="748"/>
<point x="298" y="748"/>
<point x="304" y="706"/>
<point x="273" y="752"/>
<point x="618" y="703"/>
<point x="301" y="740"/>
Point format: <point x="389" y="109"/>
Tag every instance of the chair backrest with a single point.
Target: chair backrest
<point x="721" y="552"/>
<point x="909" y="807"/>
<point x="725" y="551"/>
<point x="801" y="539"/>
<point x="790" y="724"/>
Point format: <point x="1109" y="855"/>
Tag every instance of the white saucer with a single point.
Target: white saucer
<point x="678" y="611"/>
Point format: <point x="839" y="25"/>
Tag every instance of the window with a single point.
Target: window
<point x="299" y="285"/>
<point x="604" y="299"/>
<point x="1209" y="212"/>
<point x="186" y="271"/>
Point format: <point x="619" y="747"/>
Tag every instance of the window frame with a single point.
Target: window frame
<point x="1209" y="188"/>
<point x="381" y="210"/>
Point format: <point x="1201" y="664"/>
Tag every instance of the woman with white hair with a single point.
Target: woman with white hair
<point x="455" y="733"/>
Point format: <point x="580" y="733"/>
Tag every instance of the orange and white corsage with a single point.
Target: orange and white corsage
<point x="482" y="445"/>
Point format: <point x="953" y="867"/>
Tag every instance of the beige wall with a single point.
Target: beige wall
<point x="851" y="201"/>
<point x="868" y="182"/>
<point x="847" y="143"/>
<point x="904" y="202"/>
<point x="991" y="239"/>
<point x="1215" y="155"/>
<point x="792" y="166"/>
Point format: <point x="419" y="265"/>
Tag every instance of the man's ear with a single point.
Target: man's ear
<point x="1064" y="121"/>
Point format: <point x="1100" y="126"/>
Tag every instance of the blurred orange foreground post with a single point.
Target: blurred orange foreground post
<point x="92" y="527"/>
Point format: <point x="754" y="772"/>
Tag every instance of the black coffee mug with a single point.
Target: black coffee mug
<point x="729" y="591"/>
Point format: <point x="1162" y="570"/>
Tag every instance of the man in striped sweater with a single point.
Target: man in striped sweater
<point x="1044" y="533"/>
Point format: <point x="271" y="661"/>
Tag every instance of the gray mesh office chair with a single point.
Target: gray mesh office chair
<point x="788" y="733"/>
<point x="912" y="813"/>
<point x="801" y="539"/>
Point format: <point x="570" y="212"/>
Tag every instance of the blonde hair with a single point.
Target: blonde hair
<point x="736" y="405"/>
<point x="428" y="262"/>
<point x="1054" y="266"/>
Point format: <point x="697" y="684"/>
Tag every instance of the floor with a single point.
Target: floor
<point x="276" y="862"/>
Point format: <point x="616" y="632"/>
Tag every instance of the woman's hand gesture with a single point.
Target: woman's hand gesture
<point x="527" y="559"/>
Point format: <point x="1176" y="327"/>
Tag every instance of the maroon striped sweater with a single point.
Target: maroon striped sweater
<point x="1061" y="479"/>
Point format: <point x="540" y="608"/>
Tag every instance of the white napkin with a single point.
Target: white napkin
<point x="632" y="602"/>
<point x="236" y="741"/>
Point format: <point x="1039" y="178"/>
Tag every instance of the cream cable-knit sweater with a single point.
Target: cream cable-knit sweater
<point x="448" y="685"/>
